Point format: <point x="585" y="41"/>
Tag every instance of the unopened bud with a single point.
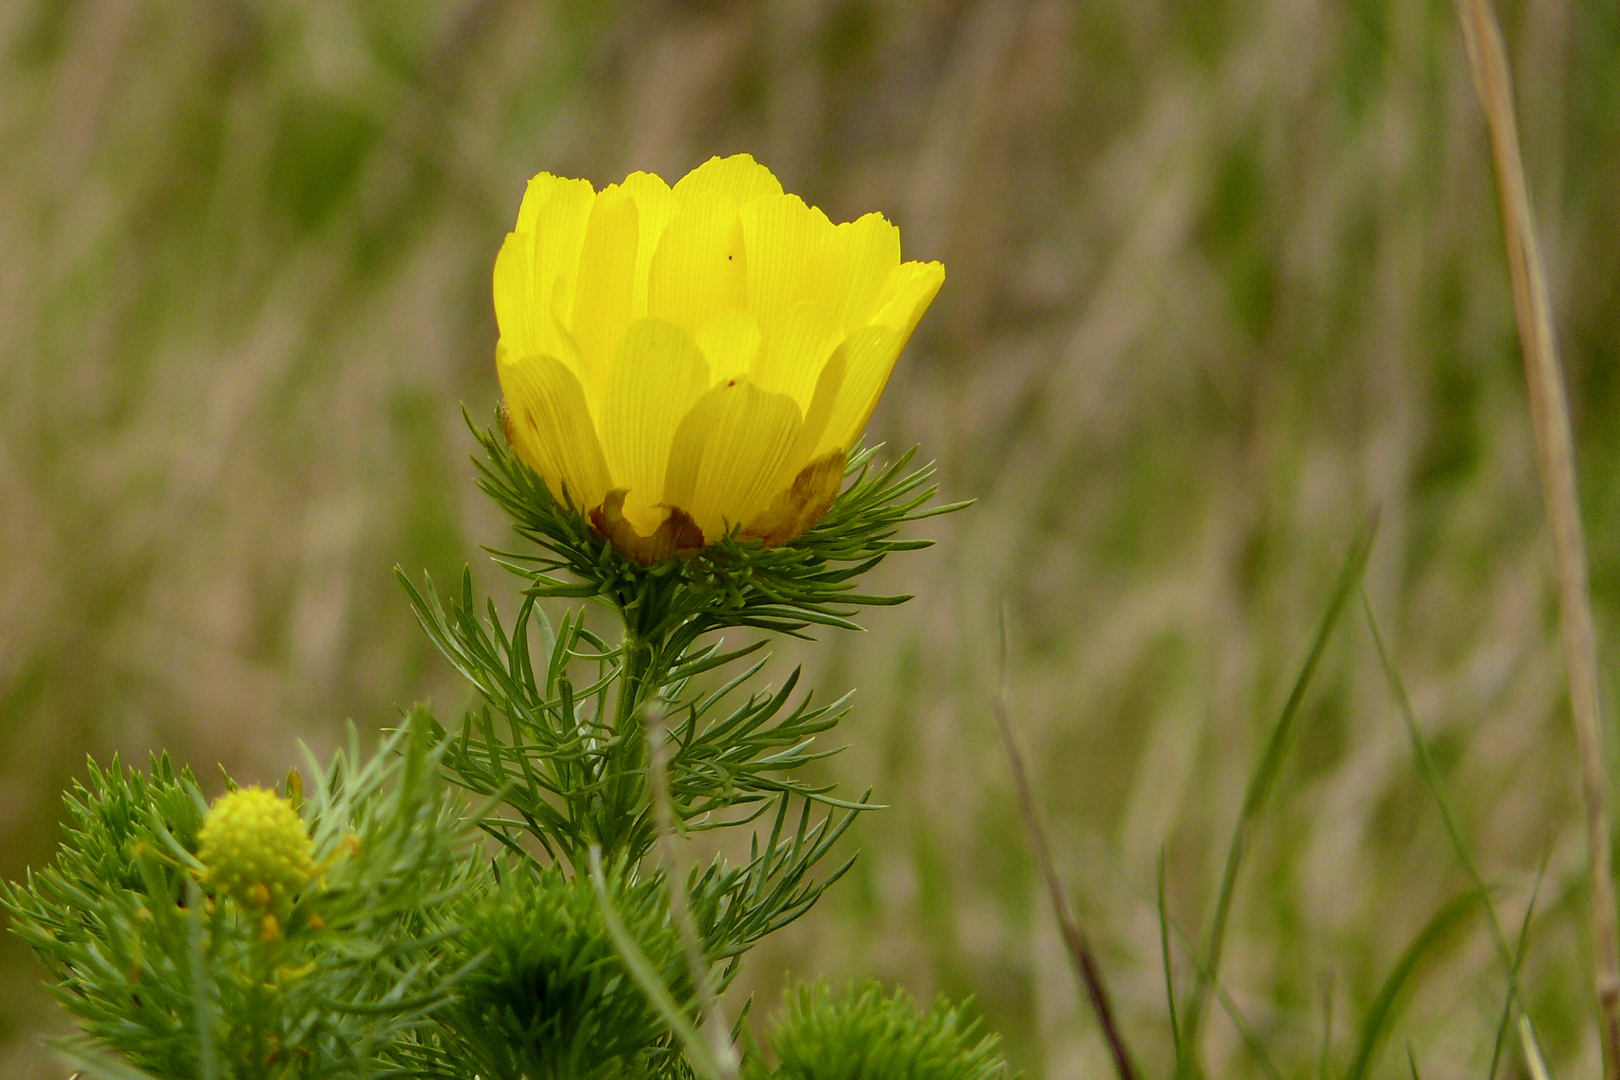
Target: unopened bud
<point x="254" y="848"/>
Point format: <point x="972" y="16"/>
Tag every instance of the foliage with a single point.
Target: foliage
<point x="869" y="1035"/>
<point x="184" y="983"/>
<point x="567" y="757"/>
<point x="562" y="742"/>
<point x="551" y="999"/>
<point x="570" y="759"/>
<point x="362" y="931"/>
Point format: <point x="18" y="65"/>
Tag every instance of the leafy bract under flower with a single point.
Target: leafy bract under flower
<point x="682" y="363"/>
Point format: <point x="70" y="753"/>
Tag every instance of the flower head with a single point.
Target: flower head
<point x="254" y="848"/>
<point x="680" y="363"/>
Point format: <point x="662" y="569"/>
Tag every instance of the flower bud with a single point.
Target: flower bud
<point x="254" y="848"/>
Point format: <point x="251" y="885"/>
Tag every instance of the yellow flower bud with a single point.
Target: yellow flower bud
<point x="254" y="849"/>
<point x="681" y="363"/>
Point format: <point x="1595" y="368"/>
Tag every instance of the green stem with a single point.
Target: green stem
<point x="261" y="1028"/>
<point x="1258" y="792"/>
<point x="627" y="796"/>
<point x="632" y="680"/>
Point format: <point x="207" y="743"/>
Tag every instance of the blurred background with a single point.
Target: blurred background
<point x="1223" y="277"/>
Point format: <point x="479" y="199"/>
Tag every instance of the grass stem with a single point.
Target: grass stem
<point x="1259" y="789"/>
<point x="1074" y="935"/>
<point x="1549" y="413"/>
<point x="713" y="1020"/>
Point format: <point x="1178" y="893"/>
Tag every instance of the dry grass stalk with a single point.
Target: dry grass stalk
<point x="713" y="1021"/>
<point x="1074" y="936"/>
<point x="1549" y="412"/>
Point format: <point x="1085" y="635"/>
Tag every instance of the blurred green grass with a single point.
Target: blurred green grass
<point x="1222" y="277"/>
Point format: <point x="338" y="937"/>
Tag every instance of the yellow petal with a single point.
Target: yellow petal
<point x="655" y="205"/>
<point x="515" y="294"/>
<point x="847" y="273"/>
<point x="541" y="190"/>
<point x="528" y="325"/>
<point x="779" y="233"/>
<point x="557" y="214"/>
<point x="911" y="288"/>
<point x="699" y="269"/>
<point x="801" y="502"/>
<point x="524" y="438"/>
<point x="607" y="266"/>
<point x="728" y="455"/>
<point x="795" y="354"/>
<point x="870" y="352"/>
<point x="740" y="177"/>
<point x="829" y="390"/>
<point x="730" y="342"/>
<point x="540" y="256"/>
<point x="656" y="378"/>
<point x="550" y="425"/>
<point x="678" y="535"/>
<point x="558" y="343"/>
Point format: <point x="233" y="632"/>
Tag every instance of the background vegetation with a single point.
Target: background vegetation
<point x="1222" y="277"/>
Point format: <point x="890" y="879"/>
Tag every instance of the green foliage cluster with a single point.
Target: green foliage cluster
<point x="415" y="945"/>
<point x="870" y="1035"/>
<point x="186" y="983"/>
<point x="550" y="999"/>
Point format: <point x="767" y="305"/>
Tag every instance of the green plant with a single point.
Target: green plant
<point x="867" y="1034"/>
<point x="361" y="928"/>
<point x="182" y="980"/>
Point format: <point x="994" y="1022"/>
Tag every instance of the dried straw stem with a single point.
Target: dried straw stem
<point x="1549" y="412"/>
<point x="713" y="1021"/>
<point x="1074" y="936"/>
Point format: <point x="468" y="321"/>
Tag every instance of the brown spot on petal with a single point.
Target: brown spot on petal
<point x="678" y="535"/>
<point x="799" y="506"/>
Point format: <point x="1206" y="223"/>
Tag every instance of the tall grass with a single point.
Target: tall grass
<point x="1222" y="277"/>
<point x="1549" y="415"/>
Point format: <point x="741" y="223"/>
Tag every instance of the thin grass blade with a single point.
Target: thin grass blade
<point x="1386" y="1007"/>
<point x="1262" y="781"/>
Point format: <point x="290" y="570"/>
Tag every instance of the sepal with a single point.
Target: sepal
<point x="673" y="592"/>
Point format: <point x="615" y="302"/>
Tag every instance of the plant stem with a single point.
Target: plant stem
<point x="1258" y="792"/>
<point x="1074" y="935"/>
<point x="626" y="768"/>
<point x="712" y="1019"/>
<point x="1549" y="413"/>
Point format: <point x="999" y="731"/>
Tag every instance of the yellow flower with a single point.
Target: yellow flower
<point x="681" y="363"/>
